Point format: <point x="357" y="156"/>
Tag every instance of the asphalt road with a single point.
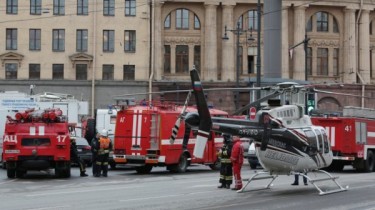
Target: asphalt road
<point x="195" y="189"/>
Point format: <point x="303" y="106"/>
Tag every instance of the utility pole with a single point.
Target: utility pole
<point x="258" y="49"/>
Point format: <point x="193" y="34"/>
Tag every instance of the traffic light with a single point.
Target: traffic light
<point x="310" y="103"/>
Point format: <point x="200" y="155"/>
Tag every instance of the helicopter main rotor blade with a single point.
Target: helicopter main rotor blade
<point x="342" y="94"/>
<point x="176" y="127"/>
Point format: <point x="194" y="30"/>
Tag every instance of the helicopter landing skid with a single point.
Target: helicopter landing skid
<point x="258" y="176"/>
<point x="330" y="177"/>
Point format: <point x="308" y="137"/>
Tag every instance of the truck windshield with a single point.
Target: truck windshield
<point x="35" y="142"/>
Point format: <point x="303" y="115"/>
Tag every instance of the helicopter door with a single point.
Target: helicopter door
<point x="320" y="140"/>
<point x="313" y="142"/>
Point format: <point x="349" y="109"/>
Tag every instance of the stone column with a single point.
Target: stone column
<point x="285" y="44"/>
<point x="209" y="71"/>
<point x="158" y="43"/>
<point x="364" y="46"/>
<point x="173" y="58"/>
<point x="299" y="36"/>
<point x="349" y="47"/>
<point x="227" y="62"/>
<point x="191" y="57"/>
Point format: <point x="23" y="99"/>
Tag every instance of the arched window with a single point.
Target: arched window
<point x="309" y="25"/>
<point x="335" y="26"/>
<point x="322" y="21"/>
<point x="167" y="21"/>
<point x="197" y="23"/>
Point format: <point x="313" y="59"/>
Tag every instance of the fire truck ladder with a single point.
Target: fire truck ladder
<point x="258" y="176"/>
<point x="330" y="177"/>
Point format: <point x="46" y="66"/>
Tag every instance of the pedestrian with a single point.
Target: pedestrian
<point x="105" y="146"/>
<point x="94" y="151"/>
<point x="74" y="158"/>
<point x="296" y="178"/>
<point x="237" y="161"/>
<point x="226" y="174"/>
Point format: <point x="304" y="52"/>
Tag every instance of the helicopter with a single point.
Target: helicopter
<point x="285" y="139"/>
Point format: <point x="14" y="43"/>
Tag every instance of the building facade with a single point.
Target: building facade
<point x="104" y="48"/>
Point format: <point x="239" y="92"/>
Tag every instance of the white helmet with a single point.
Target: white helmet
<point x="104" y="132"/>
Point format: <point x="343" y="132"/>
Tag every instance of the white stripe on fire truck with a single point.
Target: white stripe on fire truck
<point x="191" y="141"/>
<point x="331" y="132"/>
<point x="41" y="130"/>
<point x="139" y="128"/>
<point x="134" y="126"/>
<point x="32" y="130"/>
<point x="371" y="134"/>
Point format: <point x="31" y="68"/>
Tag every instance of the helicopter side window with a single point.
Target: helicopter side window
<point x="320" y="140"/>
<point x="326" y="143"/>
<point x="311" y="138"/>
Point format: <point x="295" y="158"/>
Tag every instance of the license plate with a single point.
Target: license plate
<point x="79" y="150"/>
<point x="12" y="151"/>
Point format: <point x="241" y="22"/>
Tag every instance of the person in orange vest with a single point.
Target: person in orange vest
<point x="105" y="145"/>
<point x="237" y="161"/>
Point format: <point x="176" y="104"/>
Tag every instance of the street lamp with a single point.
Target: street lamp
<point x="238" y="31"/>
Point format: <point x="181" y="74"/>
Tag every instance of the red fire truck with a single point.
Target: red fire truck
<point x="37" y="140"/>
<point x="142" y="139"/>
<point x="352" y="141"/>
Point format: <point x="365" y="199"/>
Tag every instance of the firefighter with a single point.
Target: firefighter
<point x="224" y="154"/>
<point x="75" y="158"/>
<point x="237" y="161"/>
<point x="94" y="151"/>
<point x="105" y="146"/>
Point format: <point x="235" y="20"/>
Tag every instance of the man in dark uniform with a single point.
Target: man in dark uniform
<point x="226" y="174"/>
<point x="105" y="145"/>
<point x="94" y="151"/>
<point x="74" y="156"/>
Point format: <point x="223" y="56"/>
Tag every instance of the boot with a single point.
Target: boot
<point x="228" y="186"/>
<point x="295" y="183"/>
<point x="221" y="186"/>
<point x="83" y="174"/>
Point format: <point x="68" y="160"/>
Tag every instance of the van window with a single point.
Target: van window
<point x="112" y="120"/>
<point x="35" y="142"/>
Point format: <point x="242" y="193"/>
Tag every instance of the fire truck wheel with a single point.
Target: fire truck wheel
<point x="11" y="173"/>
<point x="369" y="165"/>
<point x="144" y="169"/>
<point x="181" y="166"/>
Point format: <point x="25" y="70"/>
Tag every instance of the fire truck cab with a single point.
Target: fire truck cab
<point x="142" y="139"/>
<point x="37" y="140"/>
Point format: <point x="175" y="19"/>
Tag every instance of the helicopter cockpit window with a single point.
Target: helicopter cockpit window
<point x="311" y="138"/>
<point x="320" y="140"/>
<point x="326" y="143"/>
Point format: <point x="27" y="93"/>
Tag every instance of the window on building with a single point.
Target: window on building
<point x="108" y="72"/>
<point x="59" y="7"/>
<point x="322" y="61"/>
<point x="322" y="21"/>
<point x="34" y="39"/>
<point x="35" y="7"/>
<point x="34" y="71"/>
<point x="167" y="59"/>
<point x="82" y="7"/>
<point x="309" y="61"/>
<point x="182" y="19"/>
<point x="130" y="40"/>
<point x="11" y="39"/>
<point x="11" y="70"/>
<point x="197" y="57"/>
<point x="252" y="19"/>
<point x="109" y="7"/>
<point x="130" y="8"/>
<point x="197" y="23"/>
<point x="58" y="71"/>
<point x="335" y="26"/>
<point x="58" y="43"/>
<point x="251" y="60"/>
<point x="240" y="22"/>
<point x="129" y="72"/>
<point x="167" y="22"/>
<point x="12" y="6"/>
<point x="182" y="59"/>
<point x="309" y="25"/>
<point x="81" y="42"/>
<point x="81" y="71"/>
<point x="108" y="41"/>
<point x="336" y="62"/>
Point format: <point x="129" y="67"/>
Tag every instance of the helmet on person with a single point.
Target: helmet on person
<point x="227" y="138"/>
<point x="104" y="132"/>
